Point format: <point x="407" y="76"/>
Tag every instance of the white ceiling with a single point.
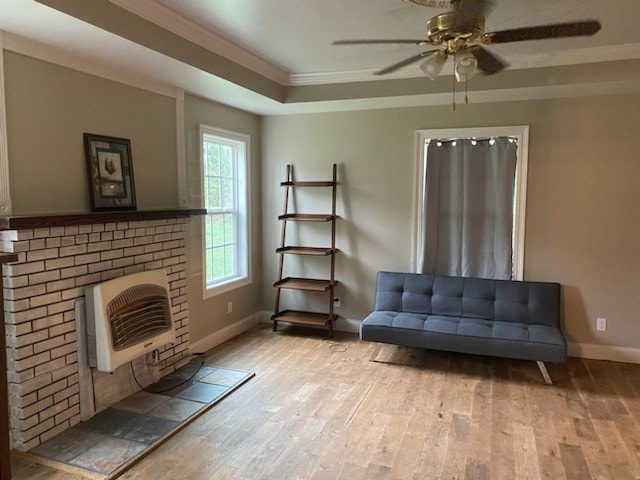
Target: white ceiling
<point x="289" y="42"/>
<point x="296" y="35"/>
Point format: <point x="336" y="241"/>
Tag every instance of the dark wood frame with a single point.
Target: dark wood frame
<point x="306" y="284"/>
<point x="93" y="146"/>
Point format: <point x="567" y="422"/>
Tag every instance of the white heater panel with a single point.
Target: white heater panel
<point x="128" y="317"/>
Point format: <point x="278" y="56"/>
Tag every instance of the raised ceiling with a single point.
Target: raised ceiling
<point x="275" y="56"/>
<point x="296" y="35"/>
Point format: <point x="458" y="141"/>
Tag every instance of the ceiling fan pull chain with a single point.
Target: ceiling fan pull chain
<point x="453" y="90"/>
<point x="466" y="98"/>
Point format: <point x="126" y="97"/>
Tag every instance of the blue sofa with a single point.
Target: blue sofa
<point x="500" y="318"/>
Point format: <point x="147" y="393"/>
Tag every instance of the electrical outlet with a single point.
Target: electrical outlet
<point x="229" y="307"/>
<point x="336" y="302"/>
<point x="601" y="324"/>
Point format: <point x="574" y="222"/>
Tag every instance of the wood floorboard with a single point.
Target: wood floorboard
<point x="321" y="410"/>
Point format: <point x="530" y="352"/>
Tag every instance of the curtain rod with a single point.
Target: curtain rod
<point x="480" y="139"/>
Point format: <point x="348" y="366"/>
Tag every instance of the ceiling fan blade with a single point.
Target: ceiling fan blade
<point x="559" y="30"/>
<point x="378" y="42"/>
<point x="404" y="63"/>
<point x="466" y="14"/>
<point x="473" y="6"/>
<point x="488" y="63"/>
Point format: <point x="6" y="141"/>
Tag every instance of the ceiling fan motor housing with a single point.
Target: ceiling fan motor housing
<point x="455" y="29"/>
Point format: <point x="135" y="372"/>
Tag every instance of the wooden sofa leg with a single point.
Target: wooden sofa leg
<point x="545" y="374"/>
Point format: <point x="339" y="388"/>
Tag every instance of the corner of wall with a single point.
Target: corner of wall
<point x="5" y="195"/>
<point x="226" y="333"/>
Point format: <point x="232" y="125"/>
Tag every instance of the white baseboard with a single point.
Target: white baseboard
<point x="230" y="331"/>
<point x="604" y="352"/>
<point x="348" y="325"/>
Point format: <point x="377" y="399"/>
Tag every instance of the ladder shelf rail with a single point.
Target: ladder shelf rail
<point x="306" y="285"/>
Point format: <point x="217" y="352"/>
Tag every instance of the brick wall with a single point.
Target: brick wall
<point x="41" y="290"/>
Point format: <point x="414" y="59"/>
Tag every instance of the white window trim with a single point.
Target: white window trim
<point x="521" y="132"/>
<point x="234" y="283"/>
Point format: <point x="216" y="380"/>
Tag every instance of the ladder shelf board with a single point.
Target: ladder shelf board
<point x="328" y="183"/>
<point x="317" y="251"/>
<point x="308" y="284"/>
<point x="308" y="217"/>
<point x="304" y="318"/>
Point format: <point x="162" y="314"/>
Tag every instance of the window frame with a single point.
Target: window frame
<point x="242" y="176"/>
<point x="521" y="132"/>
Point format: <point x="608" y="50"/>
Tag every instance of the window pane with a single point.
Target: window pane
<point x="218" y="262"/>
<point x="229" y="229"/>
<point x="217" y="230"/>
<point x="206" y="192"/>
<point x="208" y="262"/>
<point x="213" y="197"/>
<point x="207" y="232"/>
<point x="229" y="264"/>
<point x="213" y="159"/>
<point x="225" y="241"/>
<point x="226" y="156"/>
<point x="226" y="187"/>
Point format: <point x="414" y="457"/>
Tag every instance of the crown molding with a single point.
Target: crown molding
<point x="325" y="78"/>
<point x="537" y="60"/>
<point x="169" y="20"/>
<point x="57" y="56"/>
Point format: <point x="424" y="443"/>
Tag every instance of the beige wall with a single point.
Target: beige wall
<point x="582" y="221"/>
<point x="583" y="214"/>
<point x="210" y="315"/>
<point x="49" y="108"/>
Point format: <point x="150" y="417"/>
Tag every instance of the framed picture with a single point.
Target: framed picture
<point x="110" y="172"/>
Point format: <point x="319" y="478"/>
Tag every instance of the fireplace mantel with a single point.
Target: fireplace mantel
<point x="20" y="222"/>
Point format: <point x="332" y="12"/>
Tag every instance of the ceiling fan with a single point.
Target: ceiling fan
<point x="460" y="34"/>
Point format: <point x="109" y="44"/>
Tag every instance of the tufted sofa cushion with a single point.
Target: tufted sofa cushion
<point x="469" y="315"/>
<point x="504" y="300"/>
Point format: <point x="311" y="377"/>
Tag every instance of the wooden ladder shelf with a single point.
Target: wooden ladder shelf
<point x="324" y="319"/>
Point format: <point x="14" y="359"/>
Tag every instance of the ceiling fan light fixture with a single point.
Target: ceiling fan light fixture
<point x="466" y="66"/>
<point x="433" y="65"/>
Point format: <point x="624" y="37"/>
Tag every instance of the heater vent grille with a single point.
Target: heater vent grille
<point x="138" y="314"/>
<point x="128" y="317"/>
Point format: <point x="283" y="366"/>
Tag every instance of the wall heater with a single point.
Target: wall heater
<point x="128" y="317"/>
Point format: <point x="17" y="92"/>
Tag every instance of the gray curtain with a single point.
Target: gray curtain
<point x="469" y="195"/>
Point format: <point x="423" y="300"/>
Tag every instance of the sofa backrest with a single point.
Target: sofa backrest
<point x="502" y="300"/>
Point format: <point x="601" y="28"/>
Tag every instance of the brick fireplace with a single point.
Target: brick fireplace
<point x="57" y="258"/>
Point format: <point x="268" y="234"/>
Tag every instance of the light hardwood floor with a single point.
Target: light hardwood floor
<point x="321" y="410"/>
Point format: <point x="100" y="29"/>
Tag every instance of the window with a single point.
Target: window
<point x="225" y="180"/>
<point x="484" y="187"/>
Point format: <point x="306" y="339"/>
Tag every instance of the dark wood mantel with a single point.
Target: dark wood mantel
<point x="20" y="222"/>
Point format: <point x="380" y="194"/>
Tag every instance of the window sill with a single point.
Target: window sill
<point x="209" y="292"/>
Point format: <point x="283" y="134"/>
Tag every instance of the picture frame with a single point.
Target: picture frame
<point x="110" y="171"/>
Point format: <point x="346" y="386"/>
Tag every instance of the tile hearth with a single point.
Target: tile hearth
<point x="120" y="434"/>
